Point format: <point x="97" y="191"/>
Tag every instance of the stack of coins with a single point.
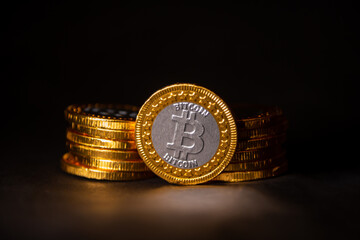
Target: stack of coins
<point x="101" y="143"/>
<point x="259" y="153"/>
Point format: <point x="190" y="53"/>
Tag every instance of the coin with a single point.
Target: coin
<point x="110" y="154"/>
<point x="185" y="134"/>
<point x="249" y="116"/>
<point x="257" y="154"/>
<point x="254" y="165"/>
<point x="70" y="165"/>
<point x="108" y="116"/>
<point x="272" y="130"/>
<point x="105" y="133"/>
<point x="87" y="140"/>
<point x="252" y="175"/>
<point x="258" y="143"/>
<point x="116" y="165"/>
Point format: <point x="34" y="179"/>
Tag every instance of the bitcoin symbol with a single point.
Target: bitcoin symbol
<point x="180" y="134"/>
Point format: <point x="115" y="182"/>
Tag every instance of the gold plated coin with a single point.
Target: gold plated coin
<point x="87" y="140"/>
<point x="252" y="175"/>
<point x="244" y="134"/>
<point x="110" y="154"/>
<point x="257" y="154"/>
<point x="258" y="143"/>
<point x="185" y="134"/>
<point x="105" y="133"/>
<point x="70" y="165"/>
<point x="249" y="116"/>
<point x="116" y="165"/>
<point x="254" y="165"/>
<point x="108" y="116"/>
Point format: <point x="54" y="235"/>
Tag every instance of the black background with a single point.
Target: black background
<point x="298" y="55"/>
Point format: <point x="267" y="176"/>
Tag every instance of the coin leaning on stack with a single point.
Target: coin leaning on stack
<point x="186" y="134"/>
<point x="259" y="153"/>
<point x="101" y="143"/>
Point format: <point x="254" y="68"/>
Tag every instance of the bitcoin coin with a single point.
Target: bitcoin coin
<point x="76" y="137"/>
<point x="116" y="165"/>
<point x="110" y="154"/>
<point x="105" y="133"/>
<point x="249" y="116"/>
<point x="254" y="165"/>
<point x="108" y="116"/>
<point x="258" y="143"/>
<point x="70" y="165"/>
<point x="257" y="154"/>
<point x="252" y="175"/>
<point x="185" y="134"/>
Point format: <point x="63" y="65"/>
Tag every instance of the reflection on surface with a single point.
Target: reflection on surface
<point x="162" y="209"/>
<point x="62" y="205"/>
<point x="158" y="197"/>
<point x="40" y="201"/>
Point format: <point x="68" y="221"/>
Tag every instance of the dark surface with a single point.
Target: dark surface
<point x="301" y="56"/>
<point x="40" y="201"/>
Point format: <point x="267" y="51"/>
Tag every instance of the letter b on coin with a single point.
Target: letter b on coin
<point x="179" y="145"/>
<point x="186" y="135"/>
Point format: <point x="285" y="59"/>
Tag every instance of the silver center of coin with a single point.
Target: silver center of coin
<point x="185" y="135"/>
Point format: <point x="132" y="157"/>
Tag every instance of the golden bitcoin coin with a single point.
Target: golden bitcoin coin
<point x="70" y="165"/>
<point x="257" y="154"/>
<point x="108" y="116"/>
<point x="258" y="143"/>
<point x="252" y="175"/>
<point x="76" y="137"/>
<point x="110" y="154"/>
<point x="249" y="116"/>
<point x="254" y="165"/>
<point x="116" y="165"/>
<point x="277" y="129"/>
<point x="185" y="134"/>
<point x="105" y="133"/>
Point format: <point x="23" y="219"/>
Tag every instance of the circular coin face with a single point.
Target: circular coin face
<point x="185" y="134"/>
<point x="178" y="135"/>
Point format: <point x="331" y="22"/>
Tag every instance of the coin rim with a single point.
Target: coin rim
<point x="259" y="143"/>
<point x="243" y="176"/>
<point x="253" y="133"/>
<point x="80" y="138"/>
<point x="250" y="165"/>
<point x="257" y="154"/>
<point x="137" y="165"/>
<point x="272" y="111"/>
<point x="99" y="174"/>
<point x="176" y="177"/>
<point x="104" y="153"/>
<point x="110" y="134"/>
<point x="74" y="113"/>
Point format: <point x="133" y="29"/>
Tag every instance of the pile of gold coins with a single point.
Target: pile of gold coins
<point x="259" y="153"/>
<point x="183" y="133"/>
<point x="101" y="143"/>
